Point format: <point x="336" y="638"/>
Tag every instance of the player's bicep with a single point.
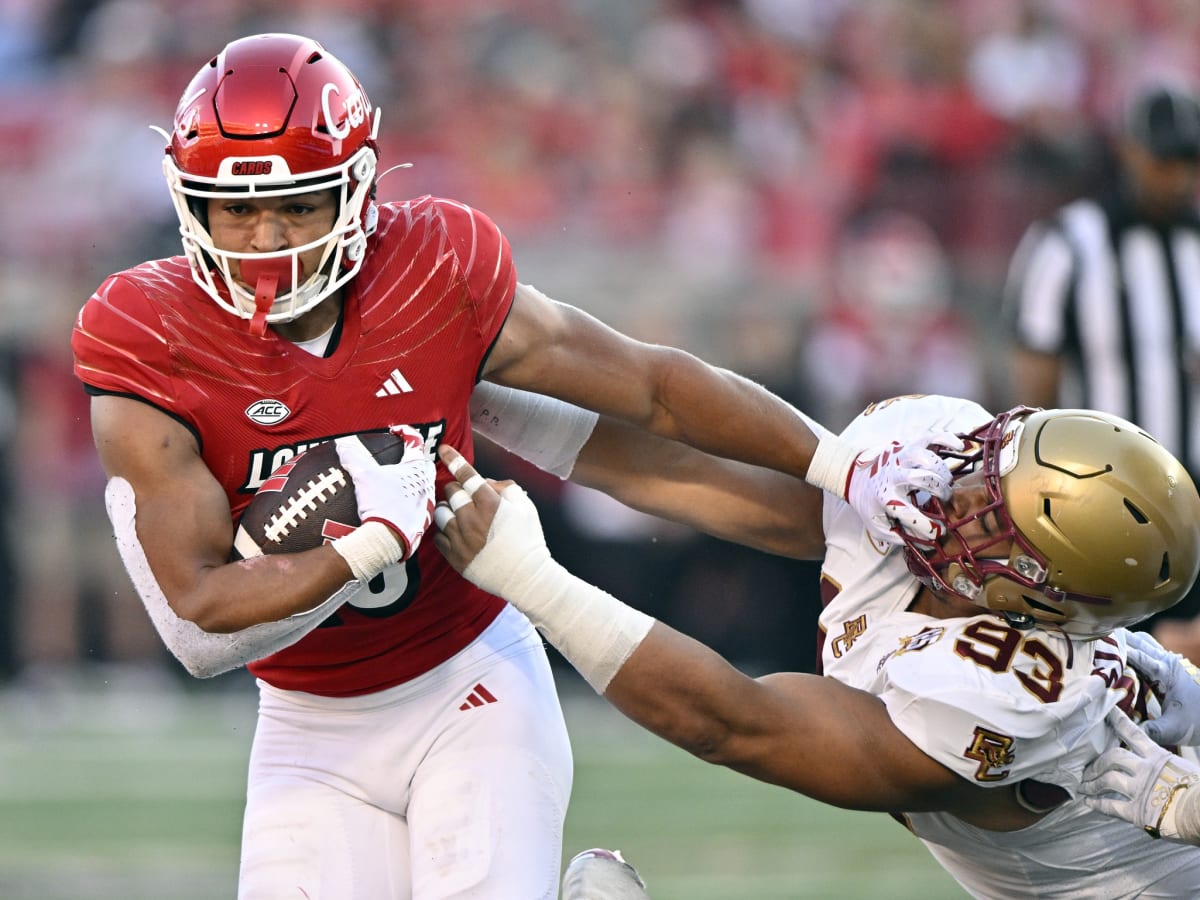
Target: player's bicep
<point x="811" y="734"/>
<point x="551" y="348"/>
<point x="837" y="744"/>
<point x="183" y="520"/>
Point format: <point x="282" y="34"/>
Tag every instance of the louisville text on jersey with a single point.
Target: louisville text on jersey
<point x="264" y="461"/>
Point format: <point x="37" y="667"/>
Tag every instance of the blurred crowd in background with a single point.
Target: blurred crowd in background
<point x="823" y="195"/>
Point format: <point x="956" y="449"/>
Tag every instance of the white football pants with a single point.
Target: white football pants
<point x="452" y="785"/>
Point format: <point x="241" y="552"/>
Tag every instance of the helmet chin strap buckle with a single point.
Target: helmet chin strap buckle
<point x="269" y="276"/>
<point x="1019" y="620"/>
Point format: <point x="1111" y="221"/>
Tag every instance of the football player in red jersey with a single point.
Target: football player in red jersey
<point x="410" y="742"/>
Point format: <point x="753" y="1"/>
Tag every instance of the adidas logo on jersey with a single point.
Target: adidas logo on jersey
<point x="394" y="384"/>
<point x="479" y="696"/>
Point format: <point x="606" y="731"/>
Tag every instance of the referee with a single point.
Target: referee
<point x="1104" y="297"/>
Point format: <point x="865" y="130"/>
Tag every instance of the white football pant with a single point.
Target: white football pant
<point x="452" y="785"/>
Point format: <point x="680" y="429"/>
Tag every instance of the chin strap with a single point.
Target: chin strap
<point x="268" y="275"/>
<point x="264" y="299"/>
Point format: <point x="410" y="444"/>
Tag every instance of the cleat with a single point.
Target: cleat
<point x="602" y="875"/>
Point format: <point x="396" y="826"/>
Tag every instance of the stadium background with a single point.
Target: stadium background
<point x="820" y="194"/>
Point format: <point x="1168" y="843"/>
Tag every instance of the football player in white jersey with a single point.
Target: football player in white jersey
<point x="972" y="679"/>
<point x="1142" y="781"/>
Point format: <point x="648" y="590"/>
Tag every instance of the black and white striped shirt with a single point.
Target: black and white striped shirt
<point x="1118" y="299"/>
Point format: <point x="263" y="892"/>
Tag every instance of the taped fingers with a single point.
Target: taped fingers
<point x="442" y="516"/>
<point x="457" y="500"/>
<point x="472" y="484"/>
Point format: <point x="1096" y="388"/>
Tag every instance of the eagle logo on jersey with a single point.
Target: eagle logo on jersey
<point x="911" y="643"/>
<point x="922" y="639"/>
<point x="993" y="751"/>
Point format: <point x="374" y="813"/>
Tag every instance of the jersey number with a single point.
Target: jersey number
<point x="994" y="645"/>
<point x="387" y="594"/>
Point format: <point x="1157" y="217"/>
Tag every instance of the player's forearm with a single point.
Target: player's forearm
<point x="756" y="426"/>
<point x="190" y="564"/>
<point x="803" y="732"/>
<point x="204" y="653"/>
<point x="750" y="505"/>
<point x="745" y="504"/>
<point x="759" y="428"/>
<point x="685" y="693"/>
<point x="557" y="349"/>
<point x="267" y="588"/>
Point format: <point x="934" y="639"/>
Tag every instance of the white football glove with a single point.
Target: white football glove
<point x="401" y="495"/>
<point x="1144" y="784"/>
<point x="879" y="484"/>
<point x="1177" y="680"/>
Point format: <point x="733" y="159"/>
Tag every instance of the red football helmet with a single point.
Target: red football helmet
<point x="268" y="116"/>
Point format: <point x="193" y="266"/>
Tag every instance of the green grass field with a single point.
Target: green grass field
<point x="127" y="791"/>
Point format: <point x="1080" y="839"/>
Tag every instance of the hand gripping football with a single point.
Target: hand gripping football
<point x="307" y="501"/>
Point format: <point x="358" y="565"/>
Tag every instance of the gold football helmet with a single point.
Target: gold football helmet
<point x="1099" y="526"/>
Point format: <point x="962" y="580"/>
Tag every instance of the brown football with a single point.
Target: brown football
<point x="307" y="500"/>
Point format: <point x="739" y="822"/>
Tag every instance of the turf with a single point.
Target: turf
<point x="132" y="790"/>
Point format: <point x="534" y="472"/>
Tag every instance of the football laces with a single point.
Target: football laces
<point x="297" y="507"/>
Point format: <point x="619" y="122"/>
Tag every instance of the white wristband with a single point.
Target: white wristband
<point x="830" y="466"/>
<point x="595" y="631"/>
<point x="369" y="549"/>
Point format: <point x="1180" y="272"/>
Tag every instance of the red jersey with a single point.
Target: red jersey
<point x="418" y="322"/>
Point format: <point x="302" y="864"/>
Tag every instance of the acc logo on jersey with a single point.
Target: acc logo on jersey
<point x="267" y="412"/>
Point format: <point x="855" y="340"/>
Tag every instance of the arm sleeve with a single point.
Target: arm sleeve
<point x="542" y="430"/>
<point x="202" y="653"/>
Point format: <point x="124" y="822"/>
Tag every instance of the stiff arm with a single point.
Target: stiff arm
<point x="803" y="732"/>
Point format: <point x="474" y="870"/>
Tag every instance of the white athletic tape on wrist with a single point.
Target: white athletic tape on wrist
<point x="1180" y="818"/>
<point x="369" y="549"/>
<point x="593" y="630"/>
<point x="1187" y="814"/>
<point x="542" y="430"/>
<point x="203" y="653"/>
<point x="831" y="464"/>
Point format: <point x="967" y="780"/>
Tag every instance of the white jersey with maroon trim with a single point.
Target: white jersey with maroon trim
<point x="997" y="705"/>
<point x="419" y="320"/>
